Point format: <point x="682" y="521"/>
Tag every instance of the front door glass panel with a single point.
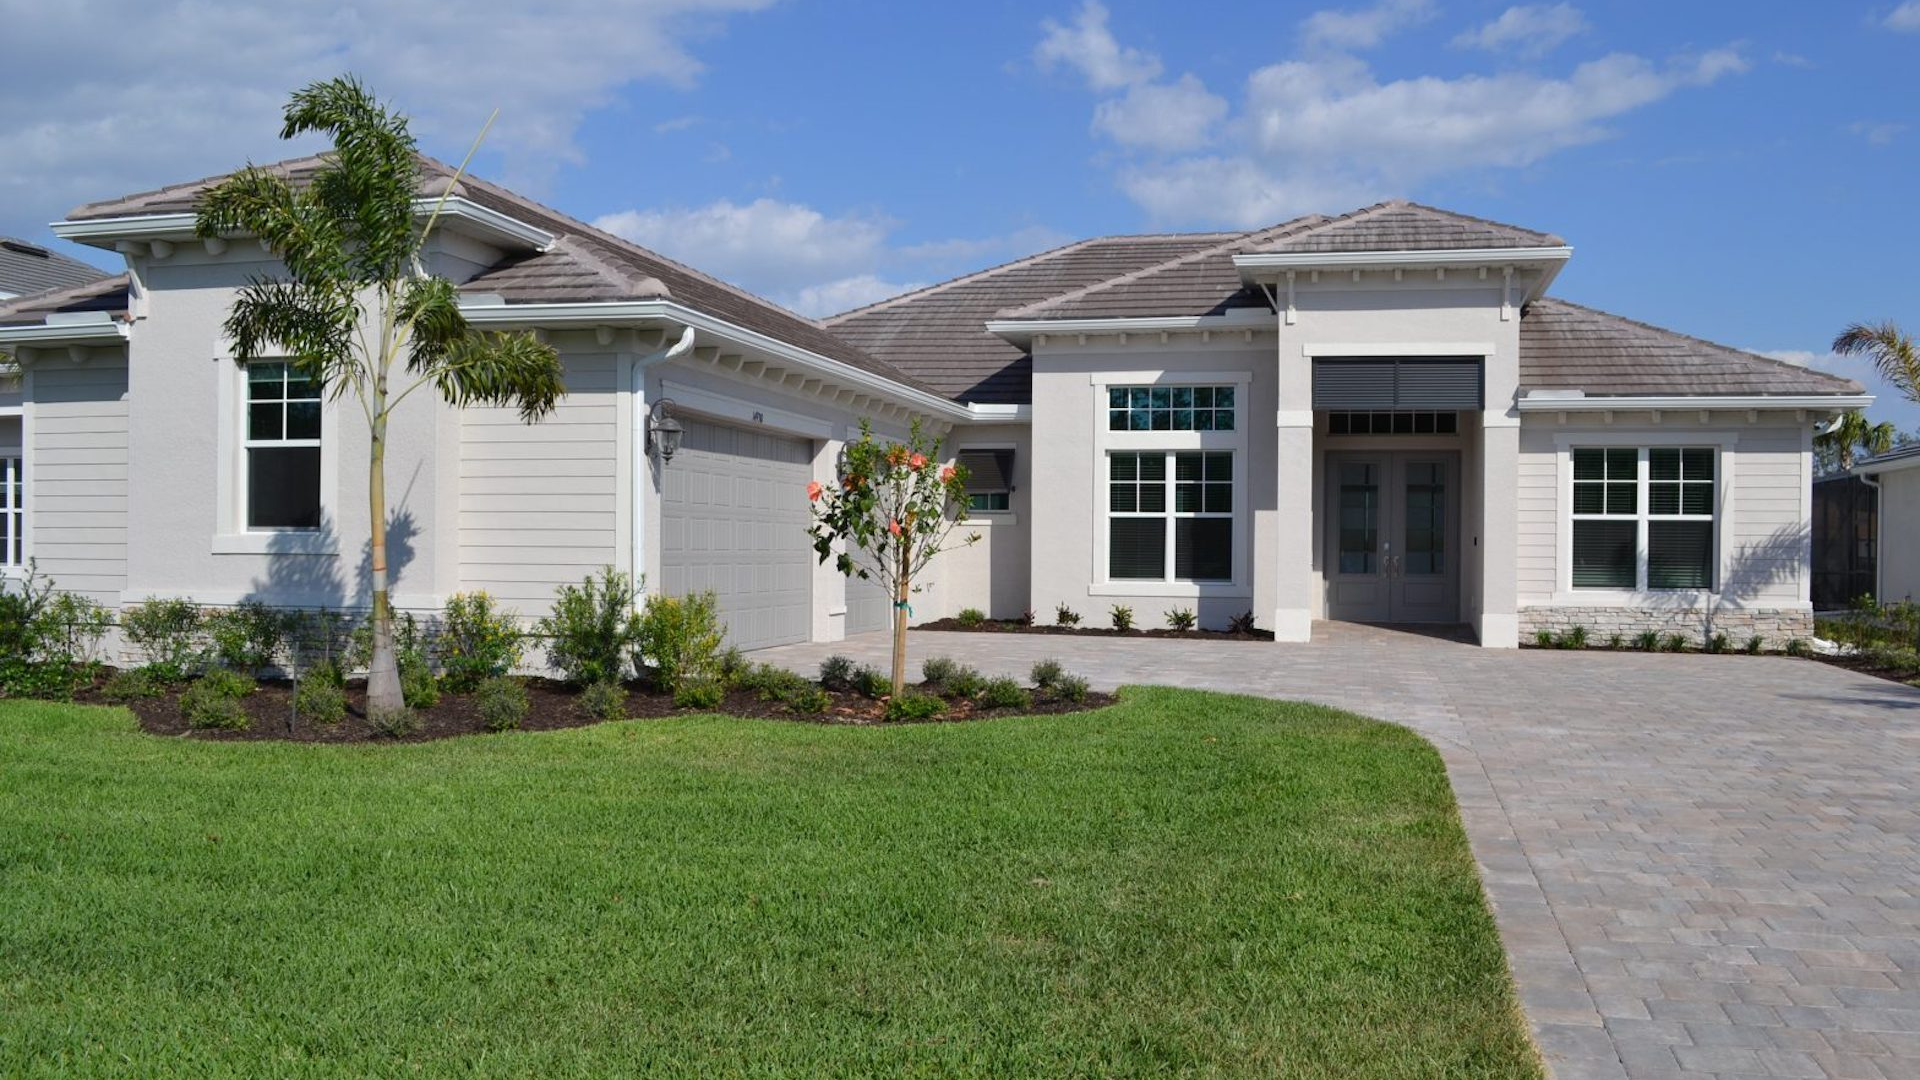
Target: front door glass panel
<point x="1426" y="519"/>
<point x="1359" y="517"/>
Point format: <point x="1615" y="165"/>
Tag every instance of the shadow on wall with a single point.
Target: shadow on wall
<point x="1755" y="567"/>
<point x="297" y="579"/>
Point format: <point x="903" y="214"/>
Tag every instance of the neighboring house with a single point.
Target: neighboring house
<point x="1846" y="533"/>
<point x="1896" y="479"/>
<point x="1378" y="417"/>
<point x="28" y="268"/>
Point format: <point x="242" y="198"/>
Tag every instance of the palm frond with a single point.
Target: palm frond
<point x="1892" y="352"/>
<point x="429" y="308"/>
<point x="369" y="182"/>
<point x="263" y="204"/>
<point x="310" y="326"/>
<point x="513" y="368"/>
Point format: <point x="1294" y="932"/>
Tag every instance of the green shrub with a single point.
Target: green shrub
<point x="912" y="706"/>
<point x="1616" y="642"/>
<point x="168" y="634"/>
<point x="965" y="682"/>
<point x="731" y="664"/>
<point x="1573" y="637"/>
<point x="1897" y="658"/>
<point x="1122" y="617"/>
<point x="1543" y="639"/>
<point x="1241" y="624"/>
<point x="836" y="672"/>
<point x="502" y="703"/>
<point x="811" y="701"/>
<point x="1071" y="688"/>
<point x="418" y="688"/>
<point x="1046" y="673"/>
<point x="700" y="693"/>
<point x="1719" y="643"/>
<point x="603" y="701"/>
<point x="1674" y="643"/>
<point x="321" y="637"/>
<point x="970" y="617"/>
<point x="245" y="637"/>
<point x="327" y="670"/>
<point x="1182" y="619"/>
<point x="213" y="701"/>
<point x="679" y="640"/>
<point x="394" y="723"/>
<point x="870" y="681"/>
<point x="1004" y="693"/>
<point x="130" y="685"/>
<point x="1647" y="641"/>
<point x="49" y="640"/>
<point x="1754" y="645"/>
<point x="592" y="626"/>
<point x="319" y="697"/>
<point x="936" y="670"/>
<point x="1065" y="616"/>
<point x="1798" y="647"/>
<point x="771" y="682"/>
<point x="477" y="641"/>
<point x="1028" y="617"/>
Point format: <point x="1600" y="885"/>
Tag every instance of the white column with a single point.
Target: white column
<point x="1291" y="559"/>
<point x="1499" y="622"/>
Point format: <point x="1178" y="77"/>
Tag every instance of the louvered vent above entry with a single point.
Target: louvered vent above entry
<point x="1386" y="384"/>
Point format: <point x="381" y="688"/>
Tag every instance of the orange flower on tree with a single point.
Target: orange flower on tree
<point x="917" y="462"/>
<point x="814" y="490"/>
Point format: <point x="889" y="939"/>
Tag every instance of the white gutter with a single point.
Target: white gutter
<point x="1537" y="402"/>
<point x="99" y="232"/>
<point x="1364" y="260"/>
<point x="1001" y="414"/>
<point x="601" y="314"/>
<point x="1261" y="318"/>
<point x="103" y="330"/>
<point x="1874" y="468"/>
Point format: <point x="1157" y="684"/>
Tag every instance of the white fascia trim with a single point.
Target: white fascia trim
<point x="60" y="333"/>
<point x="487" y="222"/>
<point x="1398" y="348"/>
<point x="1875" y="468"/>
<point x="1001" y="414"/>
<point x="600" y="314"/>
<point x="1362" y="260"/>
<point x="1537" y="402"/>
<point x="1259" y="319"/>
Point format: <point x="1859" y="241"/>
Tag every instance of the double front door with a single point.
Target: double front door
<point x="1392" y="537"/>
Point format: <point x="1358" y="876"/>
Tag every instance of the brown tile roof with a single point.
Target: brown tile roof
<point x="1564" y="346"/>
<point x="107" y="294"/>
<point x="1399" y="225"/>
<point x="585" y="265"/>
<point x="939" y="333"/>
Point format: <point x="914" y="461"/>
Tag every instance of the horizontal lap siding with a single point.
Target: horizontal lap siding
<point x="1537" y="540"/>
<point x="78" y="470"/>
<point x="1769" y="534"/>
<point x="538" y="501"/>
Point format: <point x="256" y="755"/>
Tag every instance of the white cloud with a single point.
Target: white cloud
<point x="1877" y="132"/>
<point x="138" y="105"/>
<point x="1888" y="404"/>
<point x="1166" y="117"/>
<point x="811" y="262"/>
<point x="1089" y="47"/>
<point x="1905" y="18"/>
<point x="1530" y="30"/>
<point x="1363" y="28"/>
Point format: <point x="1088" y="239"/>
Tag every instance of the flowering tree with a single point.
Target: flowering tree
<point x="895" y="508"/>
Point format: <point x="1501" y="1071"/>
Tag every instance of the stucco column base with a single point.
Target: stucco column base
<point x="1293" y="624"/>
<point x="1499" y="631"/>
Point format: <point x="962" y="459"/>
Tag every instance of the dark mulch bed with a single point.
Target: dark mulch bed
<point x="1016" y="626"/>
<point x="553" y="707"/>
<point x="1865" y="666"/>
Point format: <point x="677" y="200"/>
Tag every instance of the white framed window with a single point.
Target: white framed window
<point x="281" y="449"/>
<point x="13" y="510"/>
<point x="989" y="479"/>
<point x="1644" y="518"/>
<point x="1171" y="408"/>
<point x="1170" y="515"/>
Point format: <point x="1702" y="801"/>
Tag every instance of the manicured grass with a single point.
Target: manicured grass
<point x="1184" y="884"/>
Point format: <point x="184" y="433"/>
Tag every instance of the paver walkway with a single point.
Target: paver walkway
<point x="1701" y="866"/>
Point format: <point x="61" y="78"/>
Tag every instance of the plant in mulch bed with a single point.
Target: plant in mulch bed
<point x="1122" y="617"/>
<point x="936" y="670"/>
<point x="1004" y="693"/>
<point x="870" y="681"/>
<point x="1798" y="647"/>
<point x="393" y="723"/>
<point x="48" y="638"/>
<point x="131" y="685"/>
<point x="1065" y="616"/>
<point x="679" y="640"/>
<point x="477" y="641"/>
<point x="911" y="705"/>
<point x="168" y="633"/>
<point x="1182" y="619"/>
<point x="836" y="672"/>
<point x="1616" y="642"/>
<point x="603" y="701"/>
<point x="246" y="637"/>
<point x="971" y="616"/>
<point x="1028" y="618"/>
<point x="703" y="693"/>
<point x="1242" y="624"/>
<point x="319" y="697"/>
<point x="502" y="703"/>
<point x="1071" y="688"/>
<point x="213" y="701"/>
<point x="1674" y="643"/>
<point x="1573" y="637"/>
<point x="1754" y="645"/>
<point x="1647" y="641"/>
<point x="1046" y="673"/>
<point x="1719" y="643"/>
<point x="1543" y="639"/>
<point x="591" y="627"/>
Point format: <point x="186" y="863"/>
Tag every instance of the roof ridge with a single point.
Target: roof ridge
<point x="1746" y="353"/>
<point x="1024" y="260"/>
<point x="201" y="182"/>
<point x="1478" y="220"/>
<point x="1256" y="236"/>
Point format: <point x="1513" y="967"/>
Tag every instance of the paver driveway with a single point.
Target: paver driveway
<point x="1700" y="865"/>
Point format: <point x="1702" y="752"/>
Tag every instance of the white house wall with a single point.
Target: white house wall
<point x="992" y="574"/>
<point x="1899" y="534"/>
<point x="77" y="478"/>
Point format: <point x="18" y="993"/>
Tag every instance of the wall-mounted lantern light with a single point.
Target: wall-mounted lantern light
<point x="663" y="431"/>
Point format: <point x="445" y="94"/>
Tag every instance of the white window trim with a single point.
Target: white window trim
<point x="1725" y="458"/>
<point x="231" y="535"/>
<point x="11" y="458"/>
<point x="1106" y="443"/>
<point x="989" y="518"/>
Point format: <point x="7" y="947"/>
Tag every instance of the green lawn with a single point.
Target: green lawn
<point x="1184" y="884"/>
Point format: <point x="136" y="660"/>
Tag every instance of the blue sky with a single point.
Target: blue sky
<point x="1740" y="171"/>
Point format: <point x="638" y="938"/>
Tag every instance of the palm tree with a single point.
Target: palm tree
<point x="1852" y="432"/>
<point x="1890" y="350"/>
<point x="356" y="300"/>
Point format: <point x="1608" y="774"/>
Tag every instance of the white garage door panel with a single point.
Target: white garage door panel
<point x="734" y="520"/>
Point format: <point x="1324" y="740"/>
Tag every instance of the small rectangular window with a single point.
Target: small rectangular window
<point x="1170" y="408"/>
<point x="1393" y="423"/>
<point x="989" y="480"/>
<point x="13" y="511"/>
<point x="282" y="448"/>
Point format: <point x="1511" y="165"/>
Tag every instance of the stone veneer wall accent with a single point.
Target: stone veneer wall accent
<point x="1776" y="625"/>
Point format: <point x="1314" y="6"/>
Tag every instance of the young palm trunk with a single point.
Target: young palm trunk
<point x="383" y="671"/>
<point x="902" y="590"/>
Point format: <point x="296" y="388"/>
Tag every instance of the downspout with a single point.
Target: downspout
<point x="642" y="460"/>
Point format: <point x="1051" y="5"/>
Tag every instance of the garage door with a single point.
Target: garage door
<point x="734" y="520"/>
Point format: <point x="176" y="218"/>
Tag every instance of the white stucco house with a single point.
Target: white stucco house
<point x="1381" y="416"/>
<point x="1895" y="478"/>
